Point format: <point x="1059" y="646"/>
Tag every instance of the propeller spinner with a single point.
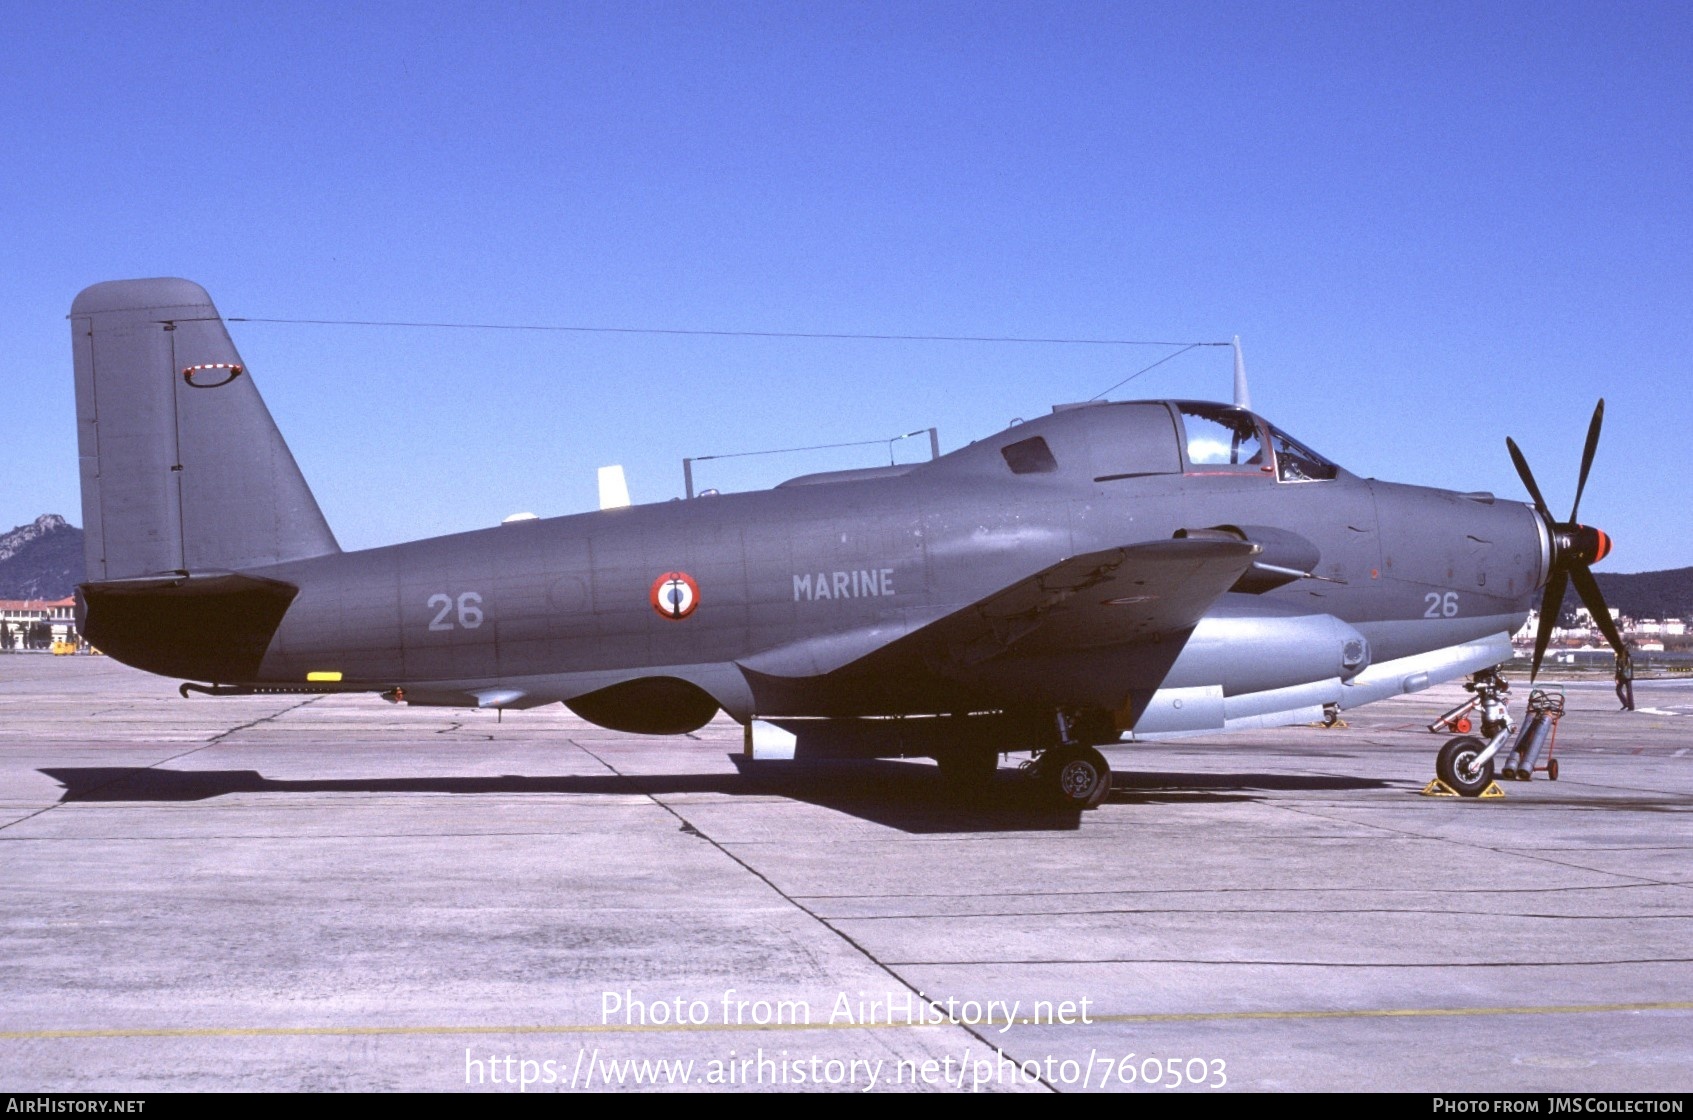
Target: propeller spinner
<point x="1574" y="548"/>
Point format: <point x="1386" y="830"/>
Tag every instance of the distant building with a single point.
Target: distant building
<point x="1584" y="618"/>
<point x="1650" y="632"/>
<point x="22" y="620"/>
<point x="1530" y="628"/>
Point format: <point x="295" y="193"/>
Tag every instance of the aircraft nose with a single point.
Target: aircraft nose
<point x="1583" y="543"/>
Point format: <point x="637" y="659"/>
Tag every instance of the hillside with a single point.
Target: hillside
<point x="41" y="560"/>
<point x="1667" y="594"/>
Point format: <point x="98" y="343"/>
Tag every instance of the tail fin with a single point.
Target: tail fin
<point x="182" y="467"/>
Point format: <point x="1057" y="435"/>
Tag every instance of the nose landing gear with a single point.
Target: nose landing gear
<point x="1464" y="765"/>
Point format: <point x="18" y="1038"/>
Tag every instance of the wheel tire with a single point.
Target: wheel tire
<point x="1455" y="764"/>
<point x="1078" y="777"/>
<point x="1462" y="727"/>
<point x="1552" y="769"/>
<point x="967" y="771"/>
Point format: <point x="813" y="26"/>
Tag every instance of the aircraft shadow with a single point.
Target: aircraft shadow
<point x="903" y="795"/>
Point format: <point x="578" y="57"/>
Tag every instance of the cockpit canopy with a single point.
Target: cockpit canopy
<point x="1220" y="435"/>
<point x="1136" y="438"/>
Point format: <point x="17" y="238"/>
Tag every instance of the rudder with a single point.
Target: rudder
<point x="183" y="469"/>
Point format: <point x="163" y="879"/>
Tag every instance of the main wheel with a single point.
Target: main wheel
<point x="967" y="771"/>
<point x="1456" y="765"/>
<point x="1079" y="777"/>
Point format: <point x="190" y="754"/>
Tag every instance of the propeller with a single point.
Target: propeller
<point x="1574" y="548"/>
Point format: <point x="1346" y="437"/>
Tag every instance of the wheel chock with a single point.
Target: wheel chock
<point x="1438" y="788"/>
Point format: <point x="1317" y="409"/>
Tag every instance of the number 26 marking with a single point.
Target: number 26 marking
<point x="1439" y="606"/>
<point x="469" y="611"/>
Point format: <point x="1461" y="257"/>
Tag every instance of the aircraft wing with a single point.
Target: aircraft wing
<point x="1111" y="597"/>
<point x="1106" y="598"/>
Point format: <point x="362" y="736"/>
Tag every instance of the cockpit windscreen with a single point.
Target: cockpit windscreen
<point x="1297" y="463"/>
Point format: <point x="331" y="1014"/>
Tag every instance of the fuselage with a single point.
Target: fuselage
<point x="542" y="610"/>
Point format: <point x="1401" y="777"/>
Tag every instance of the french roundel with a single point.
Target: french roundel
<point x="675" y="595"/>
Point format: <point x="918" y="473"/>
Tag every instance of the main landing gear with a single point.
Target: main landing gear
<point x="1074" y="774"/>
<point x="1067" y="771"/>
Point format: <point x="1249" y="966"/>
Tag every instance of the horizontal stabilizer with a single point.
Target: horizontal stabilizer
<point x="212" y="626"/>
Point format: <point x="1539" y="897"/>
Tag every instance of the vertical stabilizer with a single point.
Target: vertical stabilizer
<point x="182" y="467"/>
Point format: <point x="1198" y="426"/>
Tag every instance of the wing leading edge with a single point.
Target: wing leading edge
<point x="1116" y="596"/>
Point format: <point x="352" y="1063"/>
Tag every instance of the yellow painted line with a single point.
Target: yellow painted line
<point x="688" y="1028"/>
<point x="1394" y="1012"/>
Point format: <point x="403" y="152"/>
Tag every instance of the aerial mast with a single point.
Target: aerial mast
<point x="1242" y="398"/>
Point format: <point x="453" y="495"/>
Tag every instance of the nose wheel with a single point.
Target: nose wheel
<point x="1456" y="766"/>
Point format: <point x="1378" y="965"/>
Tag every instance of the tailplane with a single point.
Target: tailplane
<point x="183" y="469"/>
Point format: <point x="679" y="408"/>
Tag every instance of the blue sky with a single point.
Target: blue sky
<point x="1432" y="226"/>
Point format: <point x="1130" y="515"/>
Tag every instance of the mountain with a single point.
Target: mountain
<point x="1667" y="594"/>
<point x="41" y="560"/>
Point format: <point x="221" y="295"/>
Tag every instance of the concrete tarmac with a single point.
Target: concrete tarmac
<point x="327" y="893"/>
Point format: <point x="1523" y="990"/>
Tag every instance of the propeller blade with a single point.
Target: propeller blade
<point x="1551" y="605"/>
<point x="1528" y="477"/>
<point x="1588" y="589"/>
<point x="1587" y="456"/>
<point x="1591" y="597"/>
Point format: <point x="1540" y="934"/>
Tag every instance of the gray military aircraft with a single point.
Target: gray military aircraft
<point x="1155" y="567"/>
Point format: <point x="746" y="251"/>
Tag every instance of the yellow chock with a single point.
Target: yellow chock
<point x="1438" y="788"/>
